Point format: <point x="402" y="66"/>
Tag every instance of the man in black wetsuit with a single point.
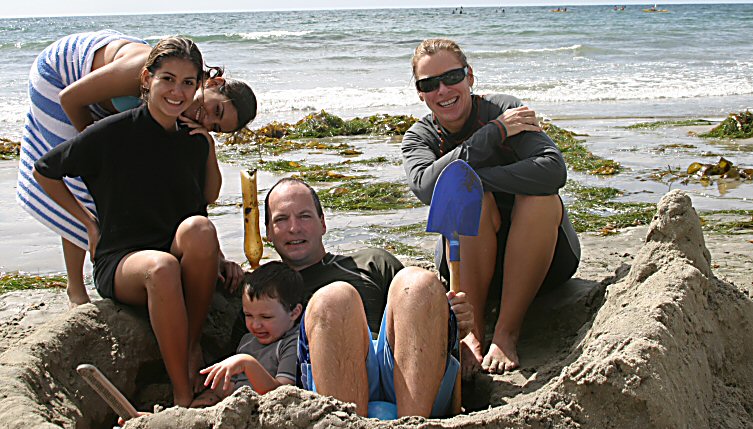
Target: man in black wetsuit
<point x="363" y="296"/>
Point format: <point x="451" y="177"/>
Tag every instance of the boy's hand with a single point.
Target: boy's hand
<point x="463" y="312"/>
<point x="221" y="374"/>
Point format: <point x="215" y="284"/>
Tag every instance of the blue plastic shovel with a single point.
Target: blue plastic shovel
<point x="456" y="210"/>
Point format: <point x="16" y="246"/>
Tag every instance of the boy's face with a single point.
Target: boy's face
<point x="267" y="319"/>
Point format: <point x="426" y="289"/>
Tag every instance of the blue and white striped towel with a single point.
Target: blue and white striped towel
<point x="59" y="65"/>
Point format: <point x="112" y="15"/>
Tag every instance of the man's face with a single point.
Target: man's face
<point x="295" y="229"/>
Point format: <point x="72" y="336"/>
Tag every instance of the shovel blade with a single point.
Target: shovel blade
<point x="456" y="202"/>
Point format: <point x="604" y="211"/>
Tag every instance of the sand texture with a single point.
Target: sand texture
<point x="645" y="336"/>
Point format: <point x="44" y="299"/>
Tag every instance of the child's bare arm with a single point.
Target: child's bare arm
<point x="221" y="374"/>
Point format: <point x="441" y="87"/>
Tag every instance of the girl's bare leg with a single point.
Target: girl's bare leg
<point x="74" y="266"/>
<point x="153" y="278"/>
<point x="528" y="255"/>
<point x="197" y="247"/>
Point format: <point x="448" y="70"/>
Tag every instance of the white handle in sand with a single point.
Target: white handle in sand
<point x="107" y="391"/>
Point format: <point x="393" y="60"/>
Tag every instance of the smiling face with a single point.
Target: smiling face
<point x="267" y="319"/>
<point x="212" y="110"/>
<point x="451" y="104"/>
<point x="171" y="89"/>
<point x="295" y="229"/>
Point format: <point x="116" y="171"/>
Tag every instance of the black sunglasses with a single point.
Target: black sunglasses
<point x="451" y="77"/>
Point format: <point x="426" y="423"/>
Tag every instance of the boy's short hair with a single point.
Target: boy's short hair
<point x="275" y="280"/>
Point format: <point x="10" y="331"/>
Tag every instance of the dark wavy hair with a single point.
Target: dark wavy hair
<point x="239" y="93"/>
<point x="275" y="280"/>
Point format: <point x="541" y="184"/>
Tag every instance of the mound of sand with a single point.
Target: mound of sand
<point x="664" y="345"/>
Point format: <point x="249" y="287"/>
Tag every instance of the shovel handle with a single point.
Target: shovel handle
<point x="107" y="391"/>
<point x="455" y="287"/>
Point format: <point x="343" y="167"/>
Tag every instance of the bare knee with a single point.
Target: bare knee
<point x="197" y="234"/>
<point x="162" y="275"/>
<point x="542" y="209"/>
<point x="415" y="287"/>
<point x="333" y="304"/>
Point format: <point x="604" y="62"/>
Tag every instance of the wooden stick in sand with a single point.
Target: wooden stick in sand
<point x="107" y="391"/>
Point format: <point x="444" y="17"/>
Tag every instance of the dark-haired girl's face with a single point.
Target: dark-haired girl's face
<point x="171" y="90"/>
<point x="212" y="110"/>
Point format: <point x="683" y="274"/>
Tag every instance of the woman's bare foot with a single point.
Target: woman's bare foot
<point x="471" y="355"/>
<point x="502" y="355"/>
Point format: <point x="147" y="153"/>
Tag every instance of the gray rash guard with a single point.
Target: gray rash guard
<point x="528" y="163"/>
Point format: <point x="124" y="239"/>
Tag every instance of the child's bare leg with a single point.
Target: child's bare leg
<point x="74" y="266"/>
<point x="478" y="258"/>
<point x="530" y="247"/>
<point x="197" y="248"/>
<point x="153" y="278"/>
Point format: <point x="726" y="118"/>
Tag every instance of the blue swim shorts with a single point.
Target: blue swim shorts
<point x="380" y="367"/>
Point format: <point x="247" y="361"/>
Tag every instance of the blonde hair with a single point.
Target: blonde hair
<point x="432" y="46"/>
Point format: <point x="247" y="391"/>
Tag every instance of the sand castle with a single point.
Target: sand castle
<point x="666" y="344"/>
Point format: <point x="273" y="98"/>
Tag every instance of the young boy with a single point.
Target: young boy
<point x="266" y="359"/>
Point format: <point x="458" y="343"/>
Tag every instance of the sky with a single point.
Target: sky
<point x="16" y="8"/>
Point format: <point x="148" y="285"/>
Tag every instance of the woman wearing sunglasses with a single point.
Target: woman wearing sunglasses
<point x="525" y="241"/>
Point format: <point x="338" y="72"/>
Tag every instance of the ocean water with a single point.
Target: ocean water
<point x="592" y="70"/>
<point x="592" y="62"/>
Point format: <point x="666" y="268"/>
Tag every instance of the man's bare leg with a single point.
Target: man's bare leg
<point x="74" y="266"/>
<point x="530" y="247"/>
<point x="478" y="259"/>
<point x="338" y="344"/>
<point x="197" y="248"/>
<point x="417" y="313"/>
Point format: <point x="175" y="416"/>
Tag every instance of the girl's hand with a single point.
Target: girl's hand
<point x="221" y="374"/>
<point x="518" y="120"/>
<point x="463" y="312"/>
<point x="196" y="128"/>
<point x="230" y="274"/>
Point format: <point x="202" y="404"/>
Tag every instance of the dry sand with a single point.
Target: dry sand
<point x="654" y="333"/>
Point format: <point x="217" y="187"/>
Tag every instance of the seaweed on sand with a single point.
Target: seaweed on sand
<point x="9" y="149"/>
<point x="665" y="124"/>
<point x="591" y="209"/>
<point x="735" y="126"/>
<point x="10" y="282"/>
<point x="577" y="156"/>
<point x="355" y="195"/>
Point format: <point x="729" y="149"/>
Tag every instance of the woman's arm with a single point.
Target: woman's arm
<point x="541" y="169"/>
<point x="60" y="193"/>
<point x="213" y="181"/>
<point x="423" y="164"/>
<point x="118" y="78"/>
